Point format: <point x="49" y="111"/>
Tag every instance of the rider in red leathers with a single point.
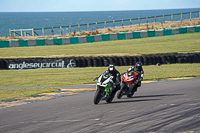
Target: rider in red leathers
<point x="138" y="69"/>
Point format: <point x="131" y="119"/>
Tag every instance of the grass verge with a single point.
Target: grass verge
<point x="152" y="45"/>
<point x="72" y="76"/>
<point x="23" y="92"/>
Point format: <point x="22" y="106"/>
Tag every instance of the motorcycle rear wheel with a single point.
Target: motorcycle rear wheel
<point x="97" y="96"/>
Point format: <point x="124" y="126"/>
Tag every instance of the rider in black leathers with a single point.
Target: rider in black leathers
<point x="116" y="77"/>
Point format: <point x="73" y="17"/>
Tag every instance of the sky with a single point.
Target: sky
<point x="93" y="5"/>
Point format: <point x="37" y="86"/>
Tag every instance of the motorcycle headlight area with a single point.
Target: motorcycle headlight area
<point x="101" y="84"/>
<point x="98" y="83"/>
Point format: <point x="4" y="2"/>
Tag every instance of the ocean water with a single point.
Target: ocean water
<point x="28" y="20"/>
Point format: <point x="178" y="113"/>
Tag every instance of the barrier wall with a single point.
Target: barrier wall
<point x="98" y="37"/>
<point x="66" y="62"/>
<point x="33" y="63"/>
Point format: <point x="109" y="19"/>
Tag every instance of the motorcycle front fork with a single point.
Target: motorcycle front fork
<point x="132" y="87"/>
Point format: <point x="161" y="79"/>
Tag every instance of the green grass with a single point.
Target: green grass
<point x="165" y="44"/>
<point x="72" y="76"/>
<point x="16" y="93"/>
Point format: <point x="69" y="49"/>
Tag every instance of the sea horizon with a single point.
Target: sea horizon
<point x="100" y="10"/>
<point x="28" y="20"/>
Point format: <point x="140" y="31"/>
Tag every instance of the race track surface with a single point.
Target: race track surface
<point x="166" y="106"/>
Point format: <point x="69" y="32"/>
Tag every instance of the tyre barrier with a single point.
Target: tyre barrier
<point x="2" y="64"/>
<point x="65" y="62"/>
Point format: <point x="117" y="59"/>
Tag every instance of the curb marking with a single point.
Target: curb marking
<point x="9" y="104"/>
<point x="42" y="96"/>
<point x="34" y="98"/>
<point x="145" y="82"/>
<point x="180" y="78"/>
<point x="86" y="89"/>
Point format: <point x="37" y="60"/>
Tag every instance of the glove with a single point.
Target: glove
<point x="114" y="85"/>
<point x="111" y="80"/>
<point x="129" y="69"/>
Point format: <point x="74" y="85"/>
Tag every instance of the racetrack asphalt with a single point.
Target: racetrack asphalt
<point x="167" y="106"/>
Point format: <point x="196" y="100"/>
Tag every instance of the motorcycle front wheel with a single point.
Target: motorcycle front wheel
<point x="131" y="93"/>
<point x="121" y="92"/>
<point x="97" y="96"/>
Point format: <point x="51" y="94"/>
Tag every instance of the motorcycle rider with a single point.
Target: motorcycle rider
<point x="116" y="77"/>
<point x="138" y="69"/>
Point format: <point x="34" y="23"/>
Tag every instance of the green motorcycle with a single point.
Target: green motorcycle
<point x="104" y="88"/>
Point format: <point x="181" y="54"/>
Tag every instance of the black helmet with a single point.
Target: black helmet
<point x="111" y="68"/>
<point x="138" y="66"/>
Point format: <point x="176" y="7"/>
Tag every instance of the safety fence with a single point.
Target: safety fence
<point x="66" y="62"/>
<point x="98" y="25"/>
<point x="98" y="37"/>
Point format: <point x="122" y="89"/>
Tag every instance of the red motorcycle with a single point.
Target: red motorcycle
<point x="129" y="87"/>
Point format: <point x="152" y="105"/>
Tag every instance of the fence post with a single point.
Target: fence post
<point x="60" y="30"/>
<point x="32" y="32"/>
<point x="199" y="14"/>
<point x="155" y="19"/>
<point x="52" y="31"/>
<point x="163" y="18"/>
<point x="147" y="22"/>
<point x="96" y="25"/>
<point x="43" y="31"/>
<point x="139" y="21"/>
<point x="14" y="32"/>
<point x="105" y="24"/>
<point x="113" y="23"/>
<point x="21" y="33"/>
<point x="122" y="22"/>
<point x="172" y="17"/>
<point x="88" y="28"/>
<point x="181" y="16"/>
<point x="79" y="28"/>
<point x="130" y="22"/>
<point x="10" y="32"/>
<point x="190" y="16"/>
<point x="70" y="28"/>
